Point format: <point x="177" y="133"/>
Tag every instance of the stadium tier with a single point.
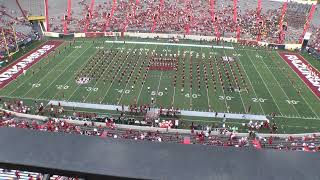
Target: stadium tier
<point x="240" y="74"/>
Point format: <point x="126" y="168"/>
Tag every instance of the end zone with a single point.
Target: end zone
<point x="26" y="61"/>
<point x="306" y="72"/>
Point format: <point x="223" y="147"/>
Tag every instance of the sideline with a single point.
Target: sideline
<point x="183" y="112"/>
<point x="163" y="130"/>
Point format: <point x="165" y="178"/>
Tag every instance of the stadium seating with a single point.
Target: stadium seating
<point x="12" y="20"/>
<point x="6" y="174"/>
<point x="184" y="17"/>
<point x="315" y="39"/>
<point x="110" y="130"/>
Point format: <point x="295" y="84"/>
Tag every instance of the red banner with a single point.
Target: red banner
<point x="309" y="74"/>
<point x="25" y="62"/>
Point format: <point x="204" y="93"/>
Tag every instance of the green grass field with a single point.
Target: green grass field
<point x="265" y="75"/>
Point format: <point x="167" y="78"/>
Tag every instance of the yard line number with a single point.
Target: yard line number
<point x="36" y="85"/>
<point x="154" y="93"/>
<point x="89" y="89"/>
<point x="127" y="91"/>
<point x="194" y="96"/>
<point x="237" y="55"/>
<point x="294" y="102"/>
<point x="228" y="98"/>
<point x="60" y="87"/>
<point x="258" y="100"/>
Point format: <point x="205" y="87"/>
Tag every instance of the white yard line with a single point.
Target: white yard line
<point x="301" y="95"/>
<point x="158" y="87"/>
<point x="144" y="82"/>
<point x="30" y="76"/>
<point x="244" y="107"/>
<point x="264" y="83"/>
<point x="280" y="86"/>
<point x="71" y="78"/>
<point x="208" y="100"/>
<point x="174" y="88"/>
<point x="174" y="94"/>
<point x="190" y="89"/>
<point x="93" y="86"/>
<point x="50" y="72"/>
<point x="224" y="94"/>
<point x="310" y="107"/>
<point x="117" y="75"/>
<point x="61" y="73"/>
<point x="203" y="65"/>
<point x="250" y="83"/>
<point x="130" y="77"/>
<point x="93" y="54"/>
<point x="102" y="74"/>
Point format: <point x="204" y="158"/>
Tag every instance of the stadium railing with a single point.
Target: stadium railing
<point x="290" y="47"/>
<point x="153" y="129"/>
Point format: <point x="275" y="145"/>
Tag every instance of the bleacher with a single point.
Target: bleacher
<point x="12" y="20"/>
<point x="183" y="17"/>
<point x="21" y="175"/>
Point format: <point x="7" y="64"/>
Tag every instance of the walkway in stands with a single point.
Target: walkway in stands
<point x="170" y="44"/>
<point x="183" y="112"/>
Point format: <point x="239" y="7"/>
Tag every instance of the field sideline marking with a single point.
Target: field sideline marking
<point x="250" y="82"/>
<point x="26" y="98"/>
<point x="169" y="44"/>
<point x="60" y="74"/>
<point x="49" y="101"/>
<point x="42" y="78"/>
<point x="138" y="62"/>
<point x="264" y="83"/>
<point x="280" y="86"/>
<point x="304" y="86"/>
<point x="30" y="77"/>
<point x="183" y="112"/>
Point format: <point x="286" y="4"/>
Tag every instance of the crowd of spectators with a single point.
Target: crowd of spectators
<point x="106" y="125"/>
<point x="209" y="136"/>
<point x="27" y="175"/>
<point x="181" y="17"/>
<point x="315" y="39"/>
<point x="19" y="175"/>
<point x="185" y="17"/>
<point x="15" y="29"/>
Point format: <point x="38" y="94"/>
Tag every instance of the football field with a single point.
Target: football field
<point x="188" y="77"/>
